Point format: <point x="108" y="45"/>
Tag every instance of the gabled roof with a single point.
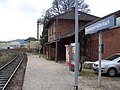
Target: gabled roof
<point x="71" y="16"/>
<point x="68" y="34"/>
<point x="81" y="16"/>
<point x="31" y="39"/>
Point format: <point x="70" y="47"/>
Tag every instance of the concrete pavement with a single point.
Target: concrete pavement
<point x="47" y="75"/>
<point x="42" y="74"/>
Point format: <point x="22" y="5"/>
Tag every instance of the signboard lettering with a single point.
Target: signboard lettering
<point x="105" y="23"/>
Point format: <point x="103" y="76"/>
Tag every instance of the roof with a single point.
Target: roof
<point x="71" y="16"/>
<point x="31" y="39"/>
<point x="117" y="13"/>
<point x="68" y="34"/>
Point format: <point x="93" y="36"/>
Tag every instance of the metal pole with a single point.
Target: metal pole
<point x="76" y="47"/>
<point x="39" y="44"/>
<point x="38" y="23"/>
<point x="56" y="50"/>
<point x="100" y="57"/>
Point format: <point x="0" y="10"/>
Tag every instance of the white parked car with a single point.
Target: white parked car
<point x="110" y="65"/>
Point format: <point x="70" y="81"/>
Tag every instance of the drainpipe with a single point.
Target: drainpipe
<point x="56" y="50"/>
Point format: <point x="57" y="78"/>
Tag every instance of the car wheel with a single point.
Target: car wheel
<point x="112" y="72"/>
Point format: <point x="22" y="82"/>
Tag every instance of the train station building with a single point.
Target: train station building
<point x="61" y="28"/>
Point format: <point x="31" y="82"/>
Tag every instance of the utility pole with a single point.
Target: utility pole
<point x="76" y="47"/>
<point x="100" y="58"/>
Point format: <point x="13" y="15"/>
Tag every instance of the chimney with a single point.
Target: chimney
<point x="38" y="29"/>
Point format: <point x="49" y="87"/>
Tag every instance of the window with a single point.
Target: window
<point x="53" y="29"/>
<point x="112" y="57"/>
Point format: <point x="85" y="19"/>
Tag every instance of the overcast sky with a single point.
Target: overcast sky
<point x="18" y="17"/>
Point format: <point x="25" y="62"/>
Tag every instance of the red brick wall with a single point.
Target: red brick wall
<point x="111" y="41"/>
<point x="48" y="51"/>
<point x="68" y="25"/>
<point x="92" y="52"/>
<point x="64" y="26"/>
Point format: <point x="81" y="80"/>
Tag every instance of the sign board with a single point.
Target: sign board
<point x="100" y="25"/>
<point x="105" y="23"/>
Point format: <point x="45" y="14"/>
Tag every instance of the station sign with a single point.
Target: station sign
<point x="100" y="25"/>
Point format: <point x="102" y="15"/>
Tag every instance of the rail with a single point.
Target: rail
<point x="8" y="70"/>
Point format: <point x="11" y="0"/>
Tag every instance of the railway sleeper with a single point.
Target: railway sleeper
<point x="3" y="81"/>
<point x="4" y="77"/>
<point x="1" y="88"/>
<point x="2" y="84"/>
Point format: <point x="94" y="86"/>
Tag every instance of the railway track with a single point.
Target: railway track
<point x="8" y="70"/>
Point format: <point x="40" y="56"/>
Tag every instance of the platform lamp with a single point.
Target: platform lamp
<point x="39" y="23"/>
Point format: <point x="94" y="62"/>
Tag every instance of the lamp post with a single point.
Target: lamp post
<point x="39" y="22"/>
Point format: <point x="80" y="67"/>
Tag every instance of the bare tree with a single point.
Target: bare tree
<point x="59" y="7"/>
<point x="62" y="6"/>
<point x="47" y="15"/>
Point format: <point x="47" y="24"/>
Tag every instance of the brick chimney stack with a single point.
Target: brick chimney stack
<point x="38" y="29"/>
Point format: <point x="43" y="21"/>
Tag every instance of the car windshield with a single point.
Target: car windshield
<point x="112" y="57"/>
